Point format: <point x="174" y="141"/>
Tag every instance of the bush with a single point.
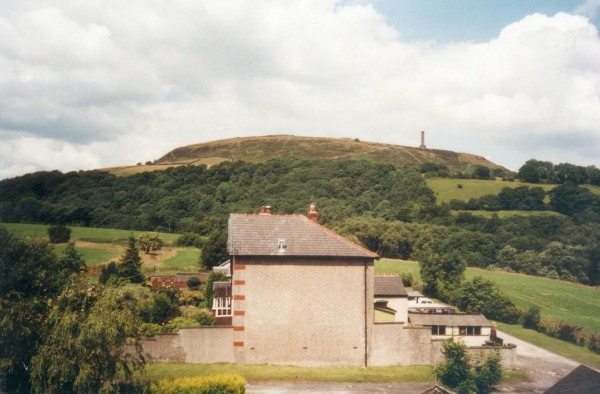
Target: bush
<point x="108" y="271"/>
<point x="459" y="186"/>
<point x="594" y="344"/>
<point x="407" y="278"/>
<point x="59" y="234"/>
<point x="173" y="325"/>
<point x="193" y="299"/>
<point x="531" y="318"/>
<point x="417" y="285"/>
<point x="149" y="330"/>
<point x="217" y="384"/>
<point x="204" y="317"/>
<point x="563" y="331"/>
<point x="157" y="309"/>
<point x="193" y="283"/>
<point x="189" y="239"/>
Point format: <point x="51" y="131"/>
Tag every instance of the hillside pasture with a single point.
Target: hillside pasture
<point x="446" y="189"/>
<point x="185" y="257"/>
<point x="558" y="300"/>
<point x="89" y="234"/>
<point x="507" y="214"/>
<point x="93" y="255"/>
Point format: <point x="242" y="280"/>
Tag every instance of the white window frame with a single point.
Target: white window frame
<point x="222" y="306"/>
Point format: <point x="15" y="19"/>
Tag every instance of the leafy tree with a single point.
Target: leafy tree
<point x="214" y="251"/>
<point x="193" y="283"/>
<point x="487" y="372"/>
<point x="31" y="276"/>
<point x="59" y="234"/>
<point x="531" y="318"/>
<point x="84" y="346"/>
<point x="456" y="368"/>
<point x="108" y="272"/>
<point x="483" y="296"/>
<point x="208" y="290"/>
<point x="150" y="241"/>
<point x="72" y="260"/>
<point x="189" y="239"/>
<point x="482" y="172"/>
<point x="157" y="309"/>
<point x="442" y="274"/>
<point x="130" y="267"/>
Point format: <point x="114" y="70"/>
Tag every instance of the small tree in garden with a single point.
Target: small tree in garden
<point x="59" y="234"/>
<point x="193" y="283"/>
<point x="531" y="318"/>
<point x="150" y="241"/>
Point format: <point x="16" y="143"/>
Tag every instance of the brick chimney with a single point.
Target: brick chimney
<point x="268" y="209"/>
<point x="312" y="213"/>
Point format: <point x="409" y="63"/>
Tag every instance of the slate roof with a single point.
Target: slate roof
<point x="448" y="319"/>
<point x="389" y="285"/>
<point x="582" y="380"/>
<point x="259" y="235"/>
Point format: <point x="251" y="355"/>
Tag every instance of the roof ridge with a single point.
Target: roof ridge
<point x="383" y="274"/>
<point x="346" y="240"/>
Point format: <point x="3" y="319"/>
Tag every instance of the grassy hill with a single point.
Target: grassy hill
<point x="261" y="149"/>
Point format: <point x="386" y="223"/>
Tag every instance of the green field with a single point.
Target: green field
<point x="558" y="300"/>
<point x="446" y="189"/>
<point x="99" y="235"/>
<point x="92" y="256"/>
<point x="186" y="257"/>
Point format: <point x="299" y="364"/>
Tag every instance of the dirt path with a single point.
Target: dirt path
<point x="544" y="368"/>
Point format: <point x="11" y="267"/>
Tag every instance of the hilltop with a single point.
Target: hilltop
<point x="261" y="149"/>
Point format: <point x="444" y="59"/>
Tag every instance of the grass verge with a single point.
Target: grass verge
<point x="569" y="350"/>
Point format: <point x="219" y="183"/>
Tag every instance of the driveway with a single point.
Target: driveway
<point x="544" y="368"/>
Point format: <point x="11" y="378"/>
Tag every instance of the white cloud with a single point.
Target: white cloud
<point x="98" y="84"/>
<point x="589" y="8"/>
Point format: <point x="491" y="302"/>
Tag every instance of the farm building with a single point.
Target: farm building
<point x="473" y="329"/>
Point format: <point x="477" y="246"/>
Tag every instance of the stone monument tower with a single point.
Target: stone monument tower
<point x="422" y="146"/>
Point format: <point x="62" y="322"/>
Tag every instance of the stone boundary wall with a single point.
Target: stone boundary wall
<point x="194" y="345"/>
<point x="509" y="353"/>
<point x="396" y="345"/>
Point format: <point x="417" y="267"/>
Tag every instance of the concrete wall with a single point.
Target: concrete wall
<point x="302" y="311"/>
<point x="196" y="345"/>
<point x="470" y="340"/>
<point x="396" y="345"/>
<point x="400" y="304"/>
<point x="509" y="353"/>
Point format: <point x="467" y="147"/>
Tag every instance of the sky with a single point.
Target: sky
<point x="105" y="83"/>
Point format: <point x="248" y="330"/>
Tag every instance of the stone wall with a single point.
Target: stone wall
<point x="195" y="345"/>
<point x="396" y="345"/>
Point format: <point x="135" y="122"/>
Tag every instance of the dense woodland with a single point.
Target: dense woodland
<point x="387" y="208"/>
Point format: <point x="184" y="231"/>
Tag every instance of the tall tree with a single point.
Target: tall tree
<point x="130" y="267"/>
<point x="150" y="241"/>
<point x="214" y="251"/>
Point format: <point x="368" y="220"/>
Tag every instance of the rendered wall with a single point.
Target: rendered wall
<point x="196" y="345"/>
<point x="396" y="345"/>
<point x="306" y="312"/>
<point x="400" y="304"/>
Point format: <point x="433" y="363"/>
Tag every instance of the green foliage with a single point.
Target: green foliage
<point x="150" y="241"/>
<point x="149" y="330"/>
<point x="208" y="291"/>
<point x="108" y="271"/>
<point x="173" y="325"/>
<point x="59" y="234"/>
<point x="83" y="349"/>
<point x="215" y="250"/>
<point x="193" y="283"/>
<point x="189" y="239"/>
<point x="594" y="343"/>
<point x="442" y="274"/>
<point x="216" y="384"/>
<point x="31" y="275"/>
<point x="204" y="317"/>
<point x="157" y="309"/>
<point x="72" y="260"/>
<point x="456" y="368"/>
<point x="407" y="278"/>
<point x="460" y="372"/>
<point x="531" y="318"/>
<point x="130" y="267"/>
<point x="483" y="296"/>
<point x="481" y="172"/>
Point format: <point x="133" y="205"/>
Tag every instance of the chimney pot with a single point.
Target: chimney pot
<point x="262" y="209"/>
<point x="268" y="209"/>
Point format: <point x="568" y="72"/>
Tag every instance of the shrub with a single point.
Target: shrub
<point x="193" y="299"/>
<point x="594" y="344"/>
<point x="173" y="325"/>
<point x="531" y="318"/>
<point x="108" y="271"/>
<point x="459" y="186"/>
<point x="193" y="283"/>
<point x="417" y="285"/>
<point x="204" y="317"/>
<point x="149" y="330"/>
<point x="59" y="234"/>
<point x="189" y="239"/>
<point x="571" y="333"/>
<point x="217" y="384"/>
<point x="456" y="368"/>
<point x="407" y="278"/>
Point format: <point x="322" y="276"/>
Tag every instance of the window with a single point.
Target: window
<point x="469" y="330"/>
<point x="222" y="306"/>
<point x="438" y="330"/>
